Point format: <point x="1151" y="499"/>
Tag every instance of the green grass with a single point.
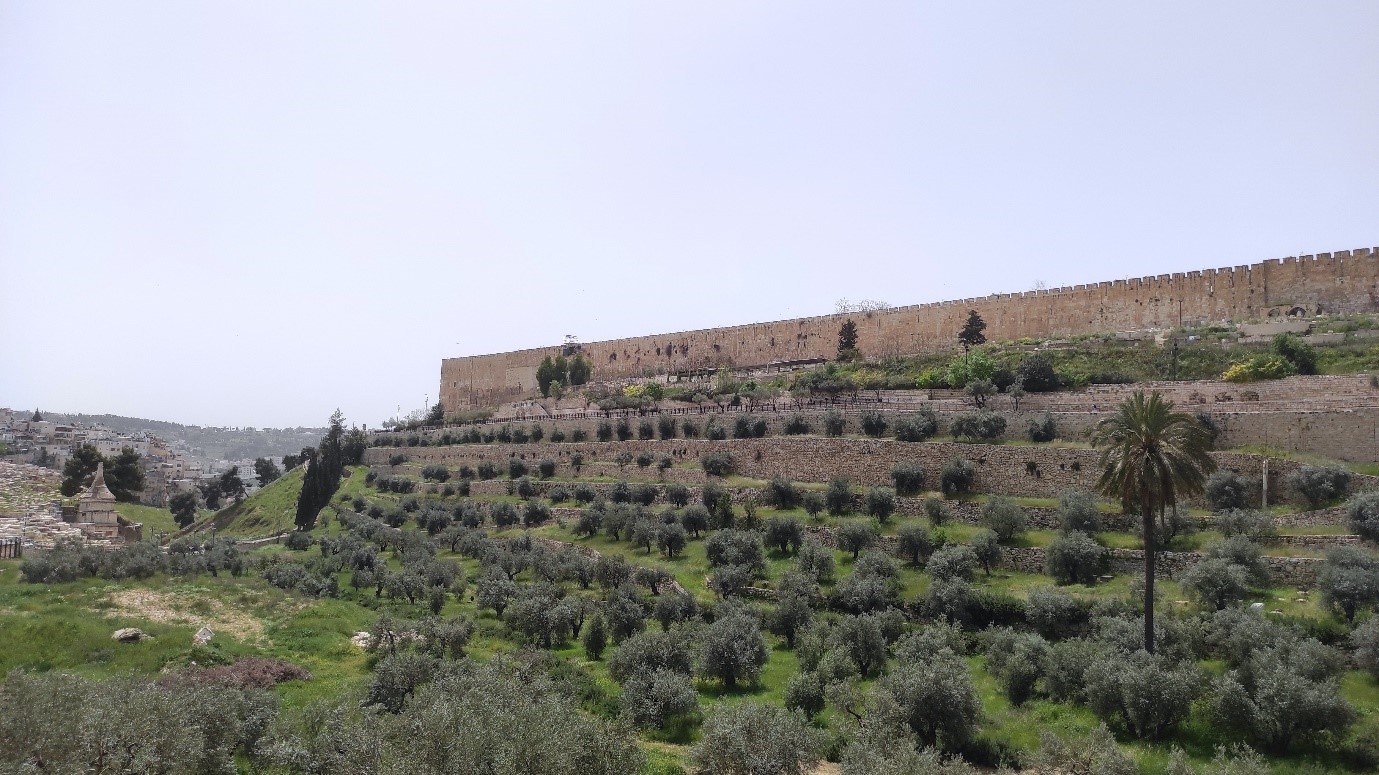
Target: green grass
<point x="267" y="512"/>
<point x="156" y="520"/>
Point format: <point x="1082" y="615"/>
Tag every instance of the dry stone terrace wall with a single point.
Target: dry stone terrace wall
<point x="1334" y="416"/>
<point x="1285" y="571"/>
<point x="1341" y="282"/>
<point x="1000" y="469"/>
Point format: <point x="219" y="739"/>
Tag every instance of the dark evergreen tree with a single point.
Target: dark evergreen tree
<point x="79" y="468"/>
<point x="183" y="508"/>
<point x="210" y="493"/>
<point x="847" y="340"/>
<point x="231" y="485"/>
<point x="546" y="374"/>
<point x="323" y="471"/>
<point x="437" y="415"/>
<point x="124" y="476"/>
<point x="580" y="370"/>
<point x="971" y="334"/>
<point x="266" y="470"/>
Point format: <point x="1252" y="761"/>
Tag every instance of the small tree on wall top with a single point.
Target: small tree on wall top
<point x="847" y="341"/>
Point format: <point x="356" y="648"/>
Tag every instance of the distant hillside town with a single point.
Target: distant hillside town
<point x="174" y="458"/>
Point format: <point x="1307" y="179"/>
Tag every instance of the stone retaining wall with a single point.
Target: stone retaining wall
<point x="1033" y="471"/>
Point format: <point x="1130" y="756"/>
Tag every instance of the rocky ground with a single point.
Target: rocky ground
<point x="27" y="495"/>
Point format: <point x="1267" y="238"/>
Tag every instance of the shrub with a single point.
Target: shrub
<point x="958" y="476"/>
<point x="733" y="650"/>
<point x="644" y="459"/>
<point x="604" y="431"/>
<point x="735" y="547"/>
<point x="622" y="429"/>
<point x="936" y="700"/>
<point x="1042" y="428"/>
<point x="525" y="488"/>
<point x="785" y="534"/>
<point x="797" y="425"/>
<point x="546" y="468"/>
<point x="813" y="503"/>
<point x="908" y="478"/>
<point x="1297" y="352"/>
<point x="1216" y="582"/>
<point x="838" y="496"/>
<point x="298" y="541"/>
<point x="1349" y="580"/>
<point x="815" y="561"/>
<point x="1037" y="374"/>
<point x="1254" y="525"/>
<point x="754" y="737"/>
<point x="644" y="494"/>
<point x="665" y="425"/>
<point x="397" y="460"/>
<point x="1073" y="557"/>
<point x="516" y="468"/>
<point x="881" y="503"/>
<point x="782" y="493"/>
<point x="1240" y="550"/>
<point x="1365" y="641"/>
<point x="1318" y="485"/>
<point x="834" y="423"/>
<point x="1363" y="510"/>
<point x="918" y="427"/>
<point x="742" y="427"/>
<point x="715" y="432"/>
<point x="915" y="543"/>
<point x="677" y="495"/>
<point x="1017" y="660"/>
<point x="719" y="463"/>
<point x="690" y="429"/>
<point x="536" y="513"/>
<point x="579" y="434"/>
<point x="1004" y="517"/>
<point x="856" y="536"/>
<point x="645" y="430"/>
<point x="1055" y="614"/>
<point x="1260" y="367"/>
<point x="874" y="424"/>
<point x="983" y="425"/>
<point x="1282" y="695"/>
<point x="1226" y="490"/>
<point x="1141" y="692"/>
<point x="952" y="562"/>
<point x="1077" y="510"/>
<point x="650" y="699"/>
<point x="558" y="494"/>
<point x="585" y="493"/>
<point x="936" y="511"/>
<point x="435" y="473"/>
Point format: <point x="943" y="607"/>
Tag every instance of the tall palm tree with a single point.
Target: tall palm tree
<point x="1152" y="455"/>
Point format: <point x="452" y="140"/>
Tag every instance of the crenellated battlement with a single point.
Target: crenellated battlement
<point x="1343" y="282"/>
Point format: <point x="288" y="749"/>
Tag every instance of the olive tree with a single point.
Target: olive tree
<point x="754" y="738"/>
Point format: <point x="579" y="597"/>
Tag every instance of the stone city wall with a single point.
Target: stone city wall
<point x="1341" y="282"/>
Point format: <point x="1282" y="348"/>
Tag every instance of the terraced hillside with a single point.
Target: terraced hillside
<point x="854" y="602"/>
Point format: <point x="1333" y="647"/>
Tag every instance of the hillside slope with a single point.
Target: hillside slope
<point x="269" y="511"/>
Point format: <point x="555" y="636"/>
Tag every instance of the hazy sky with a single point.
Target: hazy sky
<point x="251" y="213"/>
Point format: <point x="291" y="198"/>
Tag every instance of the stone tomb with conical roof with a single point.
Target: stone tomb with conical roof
<point x="96" y="515"/>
